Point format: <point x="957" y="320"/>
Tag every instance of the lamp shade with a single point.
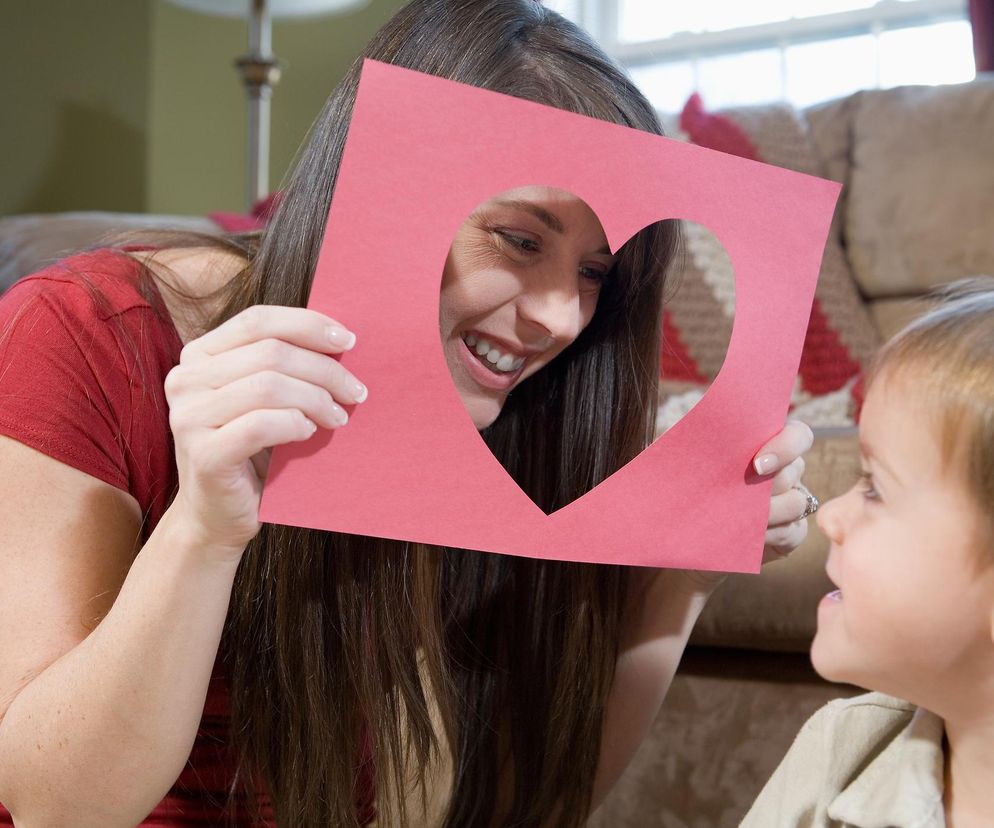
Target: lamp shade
<point x="276" y="8"/>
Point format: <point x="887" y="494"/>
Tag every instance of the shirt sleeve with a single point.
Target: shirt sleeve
<point x="61" y="377"/>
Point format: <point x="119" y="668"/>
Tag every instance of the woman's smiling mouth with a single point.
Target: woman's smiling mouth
<point x="491" y="356"/>
<point x="492" y="363"/>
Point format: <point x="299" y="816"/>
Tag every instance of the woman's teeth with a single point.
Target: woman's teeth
<point x="490" y="356"/>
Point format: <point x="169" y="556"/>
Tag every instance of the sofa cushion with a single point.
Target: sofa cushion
<point x="920" y="207"/>
<point x="891" y="315"/>
<point x="830" y="127"/>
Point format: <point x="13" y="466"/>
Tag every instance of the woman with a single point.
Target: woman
<point x="510" y="691"/>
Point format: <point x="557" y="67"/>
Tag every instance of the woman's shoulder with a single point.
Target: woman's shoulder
<point x="179" y="285"/>
<point x="92" y="286"/>
<point x="69" y="339"/>
<point x="83" y="356"/>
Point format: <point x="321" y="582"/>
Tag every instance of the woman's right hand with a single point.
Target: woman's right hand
<point x="263" y="378"/>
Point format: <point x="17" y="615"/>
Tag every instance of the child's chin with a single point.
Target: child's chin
<point x="827" y="664"/>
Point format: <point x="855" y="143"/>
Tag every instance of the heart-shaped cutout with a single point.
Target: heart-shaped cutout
<point x="541" y="325"/>
<point x="698" y="316"/>
<point x="410" y="464"/>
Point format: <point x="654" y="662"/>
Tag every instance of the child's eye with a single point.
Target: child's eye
<point x="866" y="487"/>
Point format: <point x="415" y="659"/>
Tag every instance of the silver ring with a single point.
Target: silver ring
<point x="812" y="502"/>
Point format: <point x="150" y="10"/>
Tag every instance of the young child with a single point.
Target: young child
<point x="912" y="554"/>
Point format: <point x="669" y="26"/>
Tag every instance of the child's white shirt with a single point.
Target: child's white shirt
<point x="872" y="761"/>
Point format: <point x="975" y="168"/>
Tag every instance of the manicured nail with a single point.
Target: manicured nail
<point x="339" y="416"/>
<point x="360" y="392"/>
<point x="340" y="337"/>
<point x="765" y="463"/>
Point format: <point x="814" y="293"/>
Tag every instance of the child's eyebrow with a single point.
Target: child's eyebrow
<point x="867" y="452"/>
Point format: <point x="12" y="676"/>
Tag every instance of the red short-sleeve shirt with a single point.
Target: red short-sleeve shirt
<point x="83" y="359"/>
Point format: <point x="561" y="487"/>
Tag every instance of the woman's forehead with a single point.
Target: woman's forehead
<point x="539" y="194"/>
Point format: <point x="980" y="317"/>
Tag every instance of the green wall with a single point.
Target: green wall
<point x="135" y="105"/>
<point x="73" y="102"/>
<point x="197" y="126"/>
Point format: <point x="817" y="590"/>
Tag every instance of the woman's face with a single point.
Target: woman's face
<point x="520" y="283"/>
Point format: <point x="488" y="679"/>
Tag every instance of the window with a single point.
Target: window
<point x="801" y="52"/>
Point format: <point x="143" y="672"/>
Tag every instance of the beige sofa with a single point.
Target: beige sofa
<point x="917" y="209"/>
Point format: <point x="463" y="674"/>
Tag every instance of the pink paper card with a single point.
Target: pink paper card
<point x="422" y="154"/>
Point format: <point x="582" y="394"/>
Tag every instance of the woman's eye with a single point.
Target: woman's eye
<point x="866" y="487"/>
<point x="522" y="243"/>
<point x="599" y="275"/>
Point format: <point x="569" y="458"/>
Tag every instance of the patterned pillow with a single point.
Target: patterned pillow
<point x="697" y="318"/>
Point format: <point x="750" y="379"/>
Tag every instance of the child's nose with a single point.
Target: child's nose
<point x="830" y="519"/>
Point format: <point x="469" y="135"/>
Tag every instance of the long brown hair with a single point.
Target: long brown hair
<point x="337" y="642"/>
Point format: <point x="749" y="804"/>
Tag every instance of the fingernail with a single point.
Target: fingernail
<point x="339" y="415"/>
<point x="360" y="392"/>
<point x="765" y="463"/>
<point x="340" y="337"/>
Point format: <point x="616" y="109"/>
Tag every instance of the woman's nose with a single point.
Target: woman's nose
<point x="555" y="307"/>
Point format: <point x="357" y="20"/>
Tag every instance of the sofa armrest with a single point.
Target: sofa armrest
<point x="30" y="242"/>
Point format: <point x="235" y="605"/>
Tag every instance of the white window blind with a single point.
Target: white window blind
<point x="801" y="51"/>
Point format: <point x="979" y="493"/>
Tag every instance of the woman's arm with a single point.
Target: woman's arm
<point x="667" y="603"/>
<point x="96" y="726"/>
<point x="670" y="601"/>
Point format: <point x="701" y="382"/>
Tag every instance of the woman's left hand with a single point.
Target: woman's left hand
<point x="782" y="458"/>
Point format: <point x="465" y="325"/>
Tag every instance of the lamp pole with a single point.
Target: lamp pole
<point x="260" y="71"/>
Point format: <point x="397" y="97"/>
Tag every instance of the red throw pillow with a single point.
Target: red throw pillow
<point x="262" y="211"/>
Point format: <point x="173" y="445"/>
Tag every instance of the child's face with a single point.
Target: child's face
<point x="523" y="276"/>
<point x="913" y="613"/>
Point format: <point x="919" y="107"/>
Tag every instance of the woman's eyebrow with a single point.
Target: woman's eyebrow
<point x="550" y="220"/>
